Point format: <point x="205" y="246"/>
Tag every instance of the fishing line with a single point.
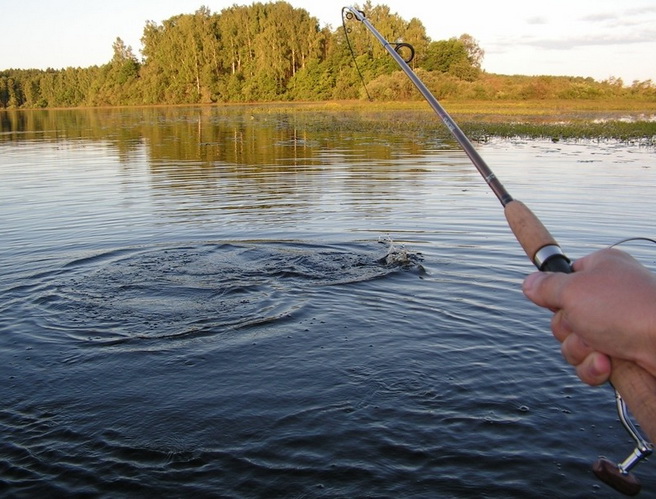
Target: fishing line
<point x="635" y="385"/>
<point x="398" y="48"/>
<point x="631" y="239"/>
<point x="345" y="16"/>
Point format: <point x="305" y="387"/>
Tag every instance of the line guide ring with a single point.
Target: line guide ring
<point x="397" y="46"/>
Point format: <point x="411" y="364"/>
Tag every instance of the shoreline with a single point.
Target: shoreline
<point x="527" y="107"/>
<point x="625" y="120"/>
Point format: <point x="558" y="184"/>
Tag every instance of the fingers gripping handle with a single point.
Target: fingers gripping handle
<point x="635" y="385"/>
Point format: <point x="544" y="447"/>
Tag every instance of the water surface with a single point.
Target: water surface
<point x="256" y="303"/>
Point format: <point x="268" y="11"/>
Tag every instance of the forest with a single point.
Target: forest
<point x="267" y="52"/>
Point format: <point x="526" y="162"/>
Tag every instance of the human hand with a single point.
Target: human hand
<point x="605" y="309"/>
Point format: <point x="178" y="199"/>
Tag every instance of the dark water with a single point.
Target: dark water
<point x="258" y="303"/>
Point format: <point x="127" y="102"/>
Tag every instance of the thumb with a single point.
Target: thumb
<point x="545" y="289"/>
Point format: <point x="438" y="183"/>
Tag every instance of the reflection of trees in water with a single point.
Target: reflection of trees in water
<point x="249" y="156"/>
<point x="238" y="135"/>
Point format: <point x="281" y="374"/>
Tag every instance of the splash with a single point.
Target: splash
<point x="203" y="289"/>
<point x="399" y="256"/>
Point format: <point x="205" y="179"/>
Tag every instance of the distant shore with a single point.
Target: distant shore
<point x="547" y="108"/>
<point x="557" y="119"/>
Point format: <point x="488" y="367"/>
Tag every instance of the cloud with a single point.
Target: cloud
<point x="626" y="27"/>
<point x="600" y="17"/>
<point x="640" y="11"/>
<point x="622" y="18"/>
<point x="592" y="40"/>
<point x="537" y="20"/>
<point x="575" y="41"/>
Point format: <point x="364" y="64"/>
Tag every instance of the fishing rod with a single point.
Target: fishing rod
<point x="630" y="382"/>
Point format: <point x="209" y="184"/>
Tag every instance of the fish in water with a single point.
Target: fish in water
<point x="399" y="256"/>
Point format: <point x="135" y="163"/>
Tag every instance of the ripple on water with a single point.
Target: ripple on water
<point x="177" y="292"/>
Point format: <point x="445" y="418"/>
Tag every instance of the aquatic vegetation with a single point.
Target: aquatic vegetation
<point x="643" y="132"/>
<point x="480" y="123"/>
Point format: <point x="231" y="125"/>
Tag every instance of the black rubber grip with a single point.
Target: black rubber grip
<point x="557" y="263"/>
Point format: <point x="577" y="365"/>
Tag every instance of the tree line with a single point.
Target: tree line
<point x="275" y="52"/>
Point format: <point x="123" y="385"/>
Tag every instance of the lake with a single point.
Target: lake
<point x="269" y="302"/>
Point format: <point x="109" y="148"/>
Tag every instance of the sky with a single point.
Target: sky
<point x="589" y="38"/>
